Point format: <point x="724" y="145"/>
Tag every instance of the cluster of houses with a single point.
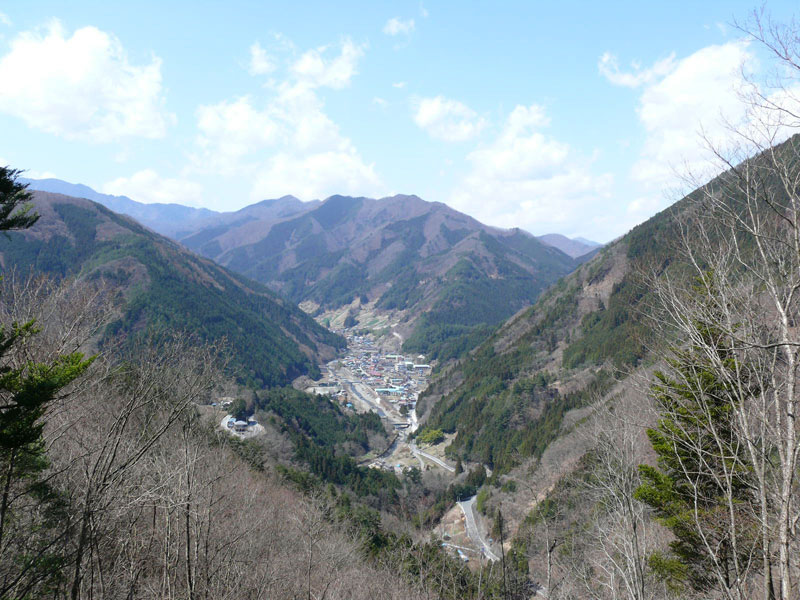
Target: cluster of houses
<point x="395" y="377"/>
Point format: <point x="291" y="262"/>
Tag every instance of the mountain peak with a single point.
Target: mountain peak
<point x="573" y="247"/>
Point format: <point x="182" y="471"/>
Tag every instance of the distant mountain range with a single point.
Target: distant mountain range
<point x="446" y="278"/>
<point x="172" y="220"/>
<point x="271" y="341"/>
<point x="574" y="247"/>
<point x="178" y="221"/>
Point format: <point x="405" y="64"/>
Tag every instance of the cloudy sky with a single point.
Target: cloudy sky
<point x="570" y="117"/>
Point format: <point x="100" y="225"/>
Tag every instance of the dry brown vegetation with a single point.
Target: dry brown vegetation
<point x="148" y="503"/>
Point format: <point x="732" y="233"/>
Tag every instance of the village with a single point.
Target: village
<point x="371" y="379"/>
<point x="393" y="382"/>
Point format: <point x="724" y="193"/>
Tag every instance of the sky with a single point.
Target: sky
<point x="571" y="117"/>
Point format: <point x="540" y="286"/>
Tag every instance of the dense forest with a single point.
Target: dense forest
<point x="168" y="289"/>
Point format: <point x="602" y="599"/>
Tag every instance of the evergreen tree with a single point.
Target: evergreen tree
<point x="15" y="206"/>
<point x="701" y="490"/>
<point x="29" y="508"/>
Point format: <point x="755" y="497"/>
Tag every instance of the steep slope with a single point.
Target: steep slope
<point x="444" y="277"/>
<point x="172" y="220"/>
<point x="574" y="247"/>
<point x="272" y="341"/>
<point x="508" y="399"/>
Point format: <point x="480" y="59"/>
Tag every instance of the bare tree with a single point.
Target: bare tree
<point x="735" y="303"/>
<point x="621" y="537"/>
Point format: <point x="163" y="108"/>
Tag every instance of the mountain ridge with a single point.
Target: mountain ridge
<point x="424" y="263"/>
<point x="442" y="278"/>
<point x="574" y="247"/>
<point x="169" y="219"/>
<point x="166" y="285"/>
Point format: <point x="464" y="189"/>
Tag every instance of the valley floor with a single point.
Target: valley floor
<point x="370" y="380"/>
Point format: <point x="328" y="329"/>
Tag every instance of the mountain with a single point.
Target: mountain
<point x="574" y="247"/>
<point x="508" y="398"/>
<point x="271" y="340"/>
<point x="172" y="220"/>
<point x="444" y="278"/>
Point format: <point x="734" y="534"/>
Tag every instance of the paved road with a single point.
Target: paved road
<point x="468" y="508"/>
<point x="364" y="393"/>
<point x="417" y="456"/>
<point x="417" y="452"/>
<point x="347" y="381"/>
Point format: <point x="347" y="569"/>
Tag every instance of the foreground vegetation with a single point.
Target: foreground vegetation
<point x="116" y="486"/>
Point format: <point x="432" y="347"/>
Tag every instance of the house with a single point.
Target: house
<point x="240" y="426"/>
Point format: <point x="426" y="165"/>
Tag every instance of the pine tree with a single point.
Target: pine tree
<point x="701" y="490"/>
<point x="29" y="508"/>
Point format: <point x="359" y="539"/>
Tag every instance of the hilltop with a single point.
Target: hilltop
<point x="164" y="285"/>
<point x="444" y="278"/>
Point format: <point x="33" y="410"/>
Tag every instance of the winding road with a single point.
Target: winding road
<point x="417" y="452"/>
<point x="468" y="508"/>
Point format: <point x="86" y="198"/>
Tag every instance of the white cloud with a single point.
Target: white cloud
<point x="446" y="119"/>
<point x="527" y="179"/>
<point x="315" y="68"/>
<point x="608" y="66"/>
<point x="230" y="130"/>
<point x="399" y="85"/>
<point x="698" y="94"/>
<point x="148" y="187"/>
<point x="34" y="174"/>
<point x="4" y="19"/>
<point x="396" y="26"/>
<point x="377" y="100"/>
<point x="82" y="86"/>
<point x="423" y="11"/>
<point x="317" y="175"/>
<point x="285" y="142"/>
<point x="261" y="63"/>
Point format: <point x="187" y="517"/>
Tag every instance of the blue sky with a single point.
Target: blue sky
<point x="572" y="117"/>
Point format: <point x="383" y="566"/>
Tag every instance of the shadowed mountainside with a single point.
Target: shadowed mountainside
<point x="164" y="285"/>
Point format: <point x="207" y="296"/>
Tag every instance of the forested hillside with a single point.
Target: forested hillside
<point x="562" y="353"/>
<point x="167" y="288"/>
<point x="400" y="256"/>
<point x="446" y="278"/>
<point x="562" y="403"/>
<point x="118" y="482"/>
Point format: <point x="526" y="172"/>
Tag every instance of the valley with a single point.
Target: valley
<point x="316" y="312"/>
<point x="370" y="379"/>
